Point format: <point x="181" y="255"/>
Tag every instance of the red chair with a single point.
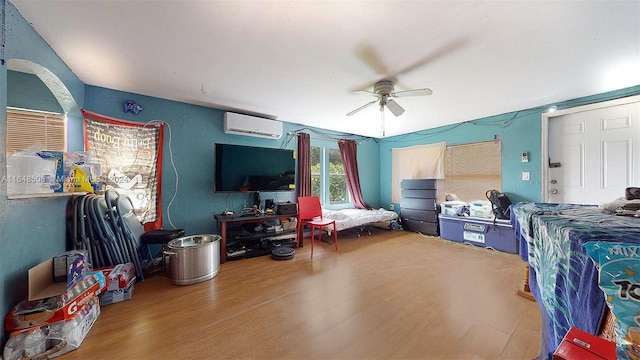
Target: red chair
<point x="310" y="213"/>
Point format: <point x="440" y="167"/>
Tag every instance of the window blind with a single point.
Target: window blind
<point x="27" y="128"/>
<point x="472" y="169"/>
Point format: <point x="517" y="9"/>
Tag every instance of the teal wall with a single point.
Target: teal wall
<point x="31" y="230"/>
<point x="518" y="131"/>
<point x="27" y="91"/>
<point x="8" y="269"/>
<point x="194" y="132"/>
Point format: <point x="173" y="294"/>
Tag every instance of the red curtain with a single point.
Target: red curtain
<point x="130" y="155"/>
<point x="349" y="152"/>
<point x="304" y="164"/>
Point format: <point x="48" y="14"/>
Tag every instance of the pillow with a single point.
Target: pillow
<point x="334" y="215"/>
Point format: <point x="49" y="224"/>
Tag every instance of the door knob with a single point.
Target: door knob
<point x="554" y="191"/>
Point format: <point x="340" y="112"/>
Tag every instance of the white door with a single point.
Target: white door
<point x="594" y="155"/>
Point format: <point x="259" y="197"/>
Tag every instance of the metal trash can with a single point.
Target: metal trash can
<point x="194" y="259"/>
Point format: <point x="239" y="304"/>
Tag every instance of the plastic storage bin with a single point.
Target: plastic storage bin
<point x="479" y="232"/>
<point x="452" y="207"/>
<point x="480" y="208"/>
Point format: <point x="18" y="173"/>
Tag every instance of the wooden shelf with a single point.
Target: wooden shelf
<point x="46" y="195"/>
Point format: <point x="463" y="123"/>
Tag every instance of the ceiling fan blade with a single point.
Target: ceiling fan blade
<point x="438" y="53"/>
<point x="370" y="56"/>
<point x="394" y="107"/>
<point x="366" y="91"/>
<point x="362" y="107"/>
<point x="414" y="92"/>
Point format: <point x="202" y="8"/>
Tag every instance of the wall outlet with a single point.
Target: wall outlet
<point x="526" y="176"/>
<point x="391" y="207"/>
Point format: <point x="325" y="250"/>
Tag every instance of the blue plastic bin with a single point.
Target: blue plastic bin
<point x="480" y="232"/>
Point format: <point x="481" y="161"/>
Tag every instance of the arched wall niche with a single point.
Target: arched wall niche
<point x="55" y="85"/>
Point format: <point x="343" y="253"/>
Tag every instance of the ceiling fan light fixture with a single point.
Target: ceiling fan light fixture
<point x="383" y="90"/>
<point x="383" y="87"/>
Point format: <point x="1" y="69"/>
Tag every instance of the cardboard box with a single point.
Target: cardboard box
<point x="119" y="276"/>
<point x="57" y="308"/>
<point x="65" y="264"/>
<point x="42" y="276"/>
<point x="289" y="224"/>
<point x="60" y="337"/>
<point x="580" y="345"/>
<point x="117" y="295"/>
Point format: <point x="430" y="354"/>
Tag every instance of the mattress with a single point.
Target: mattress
<point x="352" y="218"/>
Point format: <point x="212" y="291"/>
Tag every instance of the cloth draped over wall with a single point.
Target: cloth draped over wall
<point x="304" y="164"/>
<point x="416" y="162"/>
<point x="349" y="153"/>
<point x="130" y="155"/>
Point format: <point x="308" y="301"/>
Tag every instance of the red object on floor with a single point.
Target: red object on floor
<point x="581" y="345"/>
<point x="310" y="213"/>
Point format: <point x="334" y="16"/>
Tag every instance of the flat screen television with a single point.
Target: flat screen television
<point x="245" y="168"/>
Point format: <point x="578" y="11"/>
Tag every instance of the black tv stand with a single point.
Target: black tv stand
<point x="252" y="242"/>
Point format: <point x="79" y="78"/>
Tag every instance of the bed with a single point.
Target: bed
<point x="562" y="278"/>
<point x="358" y="220"/>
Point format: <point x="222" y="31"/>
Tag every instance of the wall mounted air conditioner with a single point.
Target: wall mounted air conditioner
<point x="252" y="126"/>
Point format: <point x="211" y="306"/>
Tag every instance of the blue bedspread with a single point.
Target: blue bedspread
<point x="562" y="277"/>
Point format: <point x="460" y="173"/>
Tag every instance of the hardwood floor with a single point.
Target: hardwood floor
<point x="391" y="295"/>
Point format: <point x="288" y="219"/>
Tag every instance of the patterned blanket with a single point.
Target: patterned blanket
<point x="562" y="277"/>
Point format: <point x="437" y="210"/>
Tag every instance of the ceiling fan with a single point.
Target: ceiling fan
<point x="384" y="92"/>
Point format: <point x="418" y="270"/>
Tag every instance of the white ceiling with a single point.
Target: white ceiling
<point x="298" y="61"/>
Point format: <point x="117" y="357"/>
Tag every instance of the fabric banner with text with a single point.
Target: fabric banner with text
<point x="130" y="155"/>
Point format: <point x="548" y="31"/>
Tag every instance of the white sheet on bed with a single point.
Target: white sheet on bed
<point x="350" y="218"/>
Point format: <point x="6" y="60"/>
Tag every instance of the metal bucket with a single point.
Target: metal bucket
<point x="194" y="259"/>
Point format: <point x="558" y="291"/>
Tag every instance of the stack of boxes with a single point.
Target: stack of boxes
<point x="121" y="279"/>
<point x="63" y="303"/>
<point x="60" y="309"/>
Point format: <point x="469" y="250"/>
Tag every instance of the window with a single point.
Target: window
<point x="328" y="180"/>
<point x="27" y="128"/>
<point x="337" y="180"/>
<point x="33" y="130"/>
<point x="472" y="169"/>
<point x="315" y="171"/>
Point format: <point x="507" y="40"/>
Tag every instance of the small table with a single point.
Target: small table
<point x="223" y="220"/>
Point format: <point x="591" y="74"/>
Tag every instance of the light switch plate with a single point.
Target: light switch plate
<point x="526" y="176"/>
